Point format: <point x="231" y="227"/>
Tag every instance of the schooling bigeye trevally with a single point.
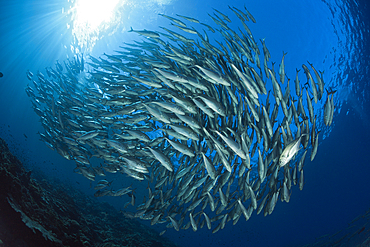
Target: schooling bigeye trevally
<point x="187" y="116"/>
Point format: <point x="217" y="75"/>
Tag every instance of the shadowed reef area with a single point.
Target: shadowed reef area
<point x="37" y="212"/>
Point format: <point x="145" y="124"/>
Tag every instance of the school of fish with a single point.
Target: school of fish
<point x="211" y="128"/>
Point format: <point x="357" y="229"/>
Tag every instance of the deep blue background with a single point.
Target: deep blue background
<point x="333" y="35"/>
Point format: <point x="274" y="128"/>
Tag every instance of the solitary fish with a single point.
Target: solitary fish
<point x="282" y="69"/>
<point x="163" y="159"/>
<point x="289" y="151"/>
<point x="189" y="18"/>
<point x="146" y="33"/>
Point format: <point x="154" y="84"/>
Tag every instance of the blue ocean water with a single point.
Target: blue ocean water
<point x="333" y="35"/>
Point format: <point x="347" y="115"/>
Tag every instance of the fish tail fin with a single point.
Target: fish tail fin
<point x="133" y="190"/>
<point x="304" y="118"/>
<point x="131" y="30"/>
<point x="331" y="91"/>
<point x="292" y="99"/>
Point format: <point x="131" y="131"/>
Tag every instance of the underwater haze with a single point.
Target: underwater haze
<point x="334" y="36"/>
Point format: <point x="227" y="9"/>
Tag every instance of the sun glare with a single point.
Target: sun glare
<point x="94" y="12"/>
<point x="90" y="18"/>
